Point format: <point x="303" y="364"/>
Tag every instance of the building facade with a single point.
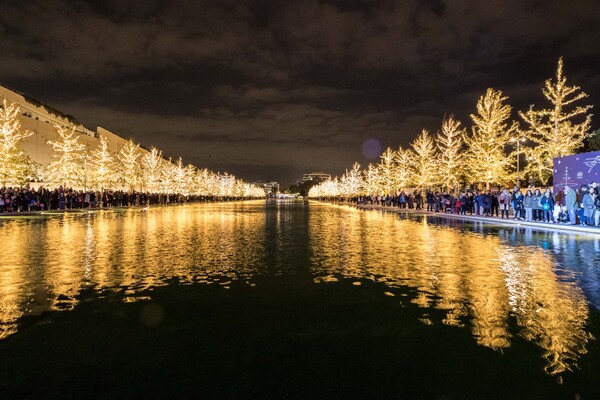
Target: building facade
<point x="269" y="187"/>
<point x="41" y="119"/>
<point x="313" y="176"/>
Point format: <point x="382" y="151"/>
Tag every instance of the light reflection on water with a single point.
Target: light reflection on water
<point x="497" y="282"/>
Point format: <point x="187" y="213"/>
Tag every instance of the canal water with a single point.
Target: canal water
<point x="294" y="300"/>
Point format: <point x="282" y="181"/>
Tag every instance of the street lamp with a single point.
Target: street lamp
<point x="518" y="141"/>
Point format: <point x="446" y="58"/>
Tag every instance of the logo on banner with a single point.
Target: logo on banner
<point x="591" y="162"/>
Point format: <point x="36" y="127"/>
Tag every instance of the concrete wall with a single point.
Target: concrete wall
<point x="41" y="119"/>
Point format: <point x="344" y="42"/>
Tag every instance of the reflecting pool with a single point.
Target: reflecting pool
<point x="295" y="299"/>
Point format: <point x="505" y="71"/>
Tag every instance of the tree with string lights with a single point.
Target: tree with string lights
<point x="225" y="184"/>
<point x="386" y="172"/>
<point x="129" y="166"/>
<point x="103" y="166"/>
<point x="183" y="178"/>
<point x="451" y="157"/>
<point x="13" y="163"/>
<point x="65" y="168"/>
<point x="351" y="182"/>
<point x="203" y="182"/>
<point x="25" y="170"/>
<point x="557" y="131"/>
<point x="179" y="177"/>
<point x="404" y="159"/>
<point x="425" y="160"/>
<point x="371" y="180"/>
<point x="486" y="159"/>
<point x="152" y="165"/>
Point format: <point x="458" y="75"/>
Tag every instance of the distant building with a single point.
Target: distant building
<point x="269" y="187"/>
<point x="40" y="119"/>
<point x="313" y="176"/>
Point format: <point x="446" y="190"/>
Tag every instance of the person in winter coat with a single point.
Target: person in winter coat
<point x="495" y="203"/>
<point x="583" y="191"/>
<point x="537" y="209"/>
<point x="547" y="205"/>
<point x="486" y="203"/>
<point x="430" y="201"/>
<point x="476" y="201"/>
<point x="528" y="205"/>
<point x="518" y="204"/>
<point x="469" y="202"/>
<point x="571" y="204"/>
<point x="418" y="200"/>
<point x="504" y="202"/>
<point x="589" y="207"/>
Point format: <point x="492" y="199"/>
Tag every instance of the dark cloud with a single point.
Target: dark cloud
<point x="271" y="89"/>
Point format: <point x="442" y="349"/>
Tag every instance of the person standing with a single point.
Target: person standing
<point x="547" y="205"/>
<point x="418" y="200"/>
<point x="528" y="205"/>
<point x="470" y="202"/>
<point x="495" y="203"/>
<point x="537" y="208"/>
<point x="571" y="204"/>
<point x="583" y="191"/>
<point x="518" y="203"/>
<point x="429" y="197"/>
<point x="487" y="203"/>
<point x="589" y="207"/>
<point x="477" y="200"/>
<point x="504" y="203"/>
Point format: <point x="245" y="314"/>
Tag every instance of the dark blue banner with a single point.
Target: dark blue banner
<point x="576" y="170"/>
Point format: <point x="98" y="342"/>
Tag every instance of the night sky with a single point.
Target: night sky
<point x="273" y="89"/>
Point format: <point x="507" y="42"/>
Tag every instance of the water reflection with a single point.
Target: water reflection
<point x="503" y="284"/>
<point x="485" y="281"/>
<point x="47" y="262"/>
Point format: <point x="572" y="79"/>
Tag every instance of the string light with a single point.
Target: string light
<point x="451" y="159"/>
<point x="13" y="162"/>
<point x="68" y="152"/>
<point x="129" y="166"/>
<point x="103" y="166"/>
<point x="554" y="131"/>
<point x="491" y="134"/>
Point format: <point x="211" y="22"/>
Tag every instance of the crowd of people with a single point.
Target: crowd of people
<point x="26" y="199"/>
<point x="570" y="206"/>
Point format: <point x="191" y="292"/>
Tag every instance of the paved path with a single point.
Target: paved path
<point x="491" y="220"/>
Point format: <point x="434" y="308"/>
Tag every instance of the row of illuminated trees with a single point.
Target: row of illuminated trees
<point x="485" y="155"/>
<point x="130" y="168"/>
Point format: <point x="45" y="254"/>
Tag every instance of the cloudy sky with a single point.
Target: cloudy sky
<point x="273" y="89"/>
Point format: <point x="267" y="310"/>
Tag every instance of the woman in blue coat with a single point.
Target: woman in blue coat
<point x="547" y="204"/>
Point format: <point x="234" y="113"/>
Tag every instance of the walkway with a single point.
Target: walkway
<point x="491" y="220"/>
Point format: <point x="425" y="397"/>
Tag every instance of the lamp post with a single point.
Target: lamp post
<point x="518" y="141"/>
